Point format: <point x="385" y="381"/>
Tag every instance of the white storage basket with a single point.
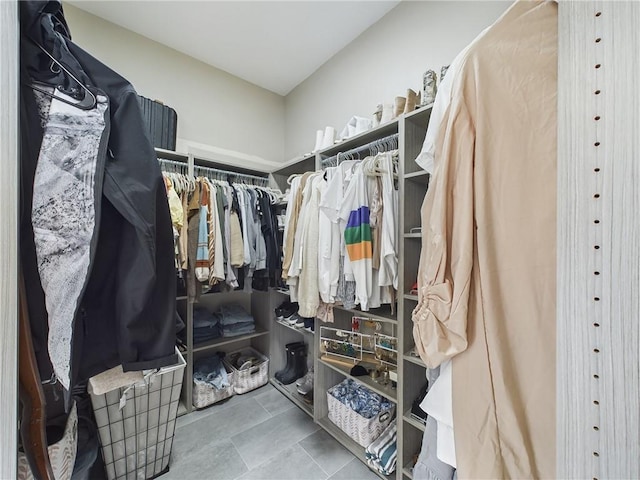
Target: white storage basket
<point x="362" y="430"/>
<point x="136" y="422"/>
<point x="246" y="380"/>
<point x="205" y="394"/>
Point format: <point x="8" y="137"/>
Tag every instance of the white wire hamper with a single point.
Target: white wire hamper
<point x="363" y="430"/>
<point x="136" y="438"/>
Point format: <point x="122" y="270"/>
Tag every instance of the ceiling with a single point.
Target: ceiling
<point x="273" y="44"/>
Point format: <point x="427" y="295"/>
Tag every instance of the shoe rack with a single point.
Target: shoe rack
<point x="412" y="186"/>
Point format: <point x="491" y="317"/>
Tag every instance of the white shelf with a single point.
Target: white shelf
<point x="292" y="394"/>
<point x="365" y="380"/>
<point x="349" y="444"/>
<point x="408" y="296"/>
<point x="407" y="472"/>
<point x="413" y="359"/>
<point x="382" y="314"/>
<point x="412" y="421"/>
<point x="218" y="342"/>
<point x="412" y="235"/>
<point x="301" y="330"/>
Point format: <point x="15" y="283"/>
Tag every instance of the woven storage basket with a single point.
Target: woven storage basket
<point x="205" y="394"/>
<point x="362" y="430"/>
<point x="62" y="454"/>
<point x="246" y="380"/>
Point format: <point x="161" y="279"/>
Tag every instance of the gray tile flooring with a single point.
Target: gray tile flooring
<point x="260" y="435"/>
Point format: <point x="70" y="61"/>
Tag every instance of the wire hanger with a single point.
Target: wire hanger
<point x="89" y="100"/>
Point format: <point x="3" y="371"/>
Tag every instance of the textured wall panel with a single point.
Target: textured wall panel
<point x="598" y="240"/>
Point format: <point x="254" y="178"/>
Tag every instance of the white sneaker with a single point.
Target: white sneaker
<point x="329" y="137"/>
<point x="319" y="140"/>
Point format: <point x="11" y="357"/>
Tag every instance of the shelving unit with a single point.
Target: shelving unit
<point x="411" y="371"/>
<point x="292" y="394"/>
<point x="348" y="443"/>
<point x="251" y="301"/>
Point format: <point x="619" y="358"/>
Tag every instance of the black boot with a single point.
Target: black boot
<point x="290" y="365"/>
<point x="299" y="369"/>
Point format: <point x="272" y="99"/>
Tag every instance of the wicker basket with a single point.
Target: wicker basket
<point x="362" y="430"/>
<point x="246" y="380"/>
<point x="205" y="394"/>
<point x="61" y="454"/>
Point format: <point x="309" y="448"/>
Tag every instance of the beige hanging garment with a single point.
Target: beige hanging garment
<point x="487" y="277"/>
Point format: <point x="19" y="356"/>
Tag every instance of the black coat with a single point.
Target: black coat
<point x="127" y="310"/>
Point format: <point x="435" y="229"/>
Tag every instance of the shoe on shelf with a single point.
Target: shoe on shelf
<point x="289" y="310"/>
<point x="398" y="106"/>
<point x="416" y="411"/>
<point x="304" y="379"/>
<point x="289" y="367"/>
<point x="307" y="386"/>
<point x="412" y="101"/>
<point x="300" y="323"/>
<point x="292" y="320"/>
<point x="286" y="310"/>
<point x="319" y="140"/>
<point x="298" y="356"/>
<point x="309" y="324"/>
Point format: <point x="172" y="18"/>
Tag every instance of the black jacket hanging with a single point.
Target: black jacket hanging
<point x="126" y="309"/>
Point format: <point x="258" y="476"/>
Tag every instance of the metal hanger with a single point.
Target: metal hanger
<point x="89" y="100"/>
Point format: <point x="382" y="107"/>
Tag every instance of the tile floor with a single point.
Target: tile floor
<point x="260" y="435"/>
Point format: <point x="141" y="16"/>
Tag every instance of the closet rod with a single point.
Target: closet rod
<point x="374" y="147"/>
<point x="172" y="163"/>
<point x="254" y="178"/>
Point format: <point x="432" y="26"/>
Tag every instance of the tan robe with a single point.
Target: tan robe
<point x="487" y="279"/>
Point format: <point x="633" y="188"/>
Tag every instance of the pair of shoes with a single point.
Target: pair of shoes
<point x="416" y="411"/>
<point x="406" y="104"/>
<point x="324" y="138"/>
<point x="296" y="366"/>
<point x="309" y="324"/>
<point x="286" y="310"/>
<point x="295" y="320"/>
<point x="305" y="384"/>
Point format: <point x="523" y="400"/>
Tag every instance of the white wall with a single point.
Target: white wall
<point x="383" y="62"/>
<point x="242" y="122"/>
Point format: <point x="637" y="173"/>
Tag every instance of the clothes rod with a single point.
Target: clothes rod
<point x="198" y="168"/>
<point x="172" y="163"/>
<point x="377" y="146"/>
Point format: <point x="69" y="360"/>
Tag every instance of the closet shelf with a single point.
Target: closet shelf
<point x="413" y="359"/>
<point x="292" y="394"/>
<point x="365" y="380"/>
<point x="349" y="444"/>
<point x="412" y="235"/>
<point x="406" y="471"/>
<point x="382" y="314"/>
<point x="420" y="176"/>
<point x="300" y="330"/>
<point x="369" y="136"/>
<point x="412" y="421"/>
<point x="218" y="342"/>
<point x="408" y="296"/>
<point x="418" y="111"/>
<point x="181" y="297"/>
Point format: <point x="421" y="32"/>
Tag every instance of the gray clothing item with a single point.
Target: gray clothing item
<point x="428" y="467"/>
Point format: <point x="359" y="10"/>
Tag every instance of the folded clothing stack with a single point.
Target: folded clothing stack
<point x="211" y="371"/>
<point x="383" y="451"/>
<point x="359" y="398"/>
<point x="235" y="320"/>
<point x="206" y="325"/>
